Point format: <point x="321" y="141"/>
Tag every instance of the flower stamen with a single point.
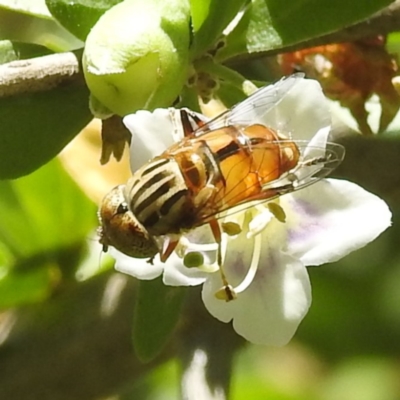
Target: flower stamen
<point x="260" y="218"/>
<point x="251" y="273"/>
<point x="193" y="259"/>
<point x="185" y="243"/>
<point x="231" y="228"/>
<point x="226" y="292"/>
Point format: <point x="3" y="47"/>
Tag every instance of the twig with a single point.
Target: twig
<point x="39" y="74"/>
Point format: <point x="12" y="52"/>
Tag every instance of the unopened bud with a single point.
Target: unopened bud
<point x="136" y="56"/>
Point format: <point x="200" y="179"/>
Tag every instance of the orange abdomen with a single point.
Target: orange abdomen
<point x="229" y="166"/>
<point x="248" y="160"/>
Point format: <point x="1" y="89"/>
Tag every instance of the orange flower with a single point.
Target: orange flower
<point x="351" y="73"/>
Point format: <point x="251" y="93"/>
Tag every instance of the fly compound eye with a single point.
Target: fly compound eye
<point x="122" y="208"/>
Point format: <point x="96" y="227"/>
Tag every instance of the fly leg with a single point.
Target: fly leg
<point x="227" y="292"/>
<point x="168" y="247"/>
<point x="188" y="126"/>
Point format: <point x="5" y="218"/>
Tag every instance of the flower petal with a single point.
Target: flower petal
<point x="317" y="141"/>
<point x="271" y="309"/>
<point x="315" y="148"/>
<point x="332" y="218"/>
<point x="176" y="274"/>
<point x="140" y="268"/>
<point x="302" y="112"/>
<point x="152" y="133"/>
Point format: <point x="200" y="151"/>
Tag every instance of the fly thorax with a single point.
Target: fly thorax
<point x="158" y="196"/>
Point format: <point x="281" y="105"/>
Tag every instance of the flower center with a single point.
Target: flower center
<point x="193" y="254"/>
<point x="252" y="223"/>
<point x="257" y="221"/>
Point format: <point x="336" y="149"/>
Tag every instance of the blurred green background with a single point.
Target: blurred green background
<point x="66" y="317"/>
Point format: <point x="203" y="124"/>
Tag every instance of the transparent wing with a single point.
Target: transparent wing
<point x="252" y="109"/>
<point x="308" y="171"/>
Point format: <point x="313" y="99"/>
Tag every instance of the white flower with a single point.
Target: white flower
<point x="266" y="262"/>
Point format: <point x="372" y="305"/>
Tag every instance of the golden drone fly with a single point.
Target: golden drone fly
<point x="219" y="165"/>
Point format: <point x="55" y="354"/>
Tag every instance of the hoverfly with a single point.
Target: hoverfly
<point x="232" y="161"/>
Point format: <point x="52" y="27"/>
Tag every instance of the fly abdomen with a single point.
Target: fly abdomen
<point x="158" y="196"/>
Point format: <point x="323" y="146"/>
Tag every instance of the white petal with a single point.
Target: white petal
<point x="316" y="148"/>
<point x="332" y="218"/>
<point x="152" y="133"/>
<point x="140" y="268"/>
<point x="271" y="309"/>
<point x="319" y="140"/>
<point x="302" y="112"/>
<point x="176" y="274"/>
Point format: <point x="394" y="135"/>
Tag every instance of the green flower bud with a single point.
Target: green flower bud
<point x="137" y="55"/>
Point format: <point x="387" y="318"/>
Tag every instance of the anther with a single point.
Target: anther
<point x="194" y="259"/>
<point x="231" y="228"/>
<point x="277" y="211"/>
<point x="226" y="293"/>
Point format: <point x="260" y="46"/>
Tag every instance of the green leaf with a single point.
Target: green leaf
<point x="230" y="94"/>
<point x="29" y="28"/>
<point x="156" y="314"/>
<point x="27" y="287"/>
<point x="292" y="20"/>
<point x="393" y="43"/>
<point x="43" y="212"/>
<point x="79" y="16"/>
<point x="36" y="127"/>
<point x="46" y="220"/>
<point x="199" y="10"/>
<point x="189" y="98"/>
<point x="210" y="18"/>
<point x="10" y="51"/>
<point x="271" y="24"/>
<point x="254" y="33"/>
